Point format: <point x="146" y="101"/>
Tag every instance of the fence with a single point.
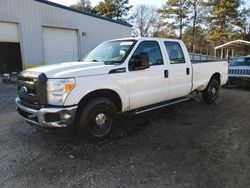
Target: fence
<point x="201" y="57"/>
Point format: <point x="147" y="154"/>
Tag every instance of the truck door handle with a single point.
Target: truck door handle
<point x="166" y="73"/>
<point x="188" y="71"/>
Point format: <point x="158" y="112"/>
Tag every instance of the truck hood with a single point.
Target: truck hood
<point x="239" y="67"/>
<point x="72" y="69"/>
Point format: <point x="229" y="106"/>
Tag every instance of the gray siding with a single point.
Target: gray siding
<point x="32" y="16"/>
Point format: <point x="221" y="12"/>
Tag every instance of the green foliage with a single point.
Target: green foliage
<point x="222" y="18"/>
<point x="177" y="12"/>
<point x="84" y="5"/>
<point x="203" y="24"/>
<point x="116" y="9"/>
<point x="199" y="43"/>
<point x="195" y="19"/>
<point x="106" y="8"/>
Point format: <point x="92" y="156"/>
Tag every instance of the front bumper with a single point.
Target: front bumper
<point x="237" y="80"/>
<point x="47" y="117"/>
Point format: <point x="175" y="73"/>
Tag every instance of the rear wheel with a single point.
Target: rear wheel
<point x="97" y="118"/>
<point x="211" y="93"/>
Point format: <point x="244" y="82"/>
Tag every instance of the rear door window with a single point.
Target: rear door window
<point x="175" y="53"/>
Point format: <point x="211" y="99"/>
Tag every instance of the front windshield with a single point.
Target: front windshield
<point x="240" y="61"/>
<point x="110" y="52"/>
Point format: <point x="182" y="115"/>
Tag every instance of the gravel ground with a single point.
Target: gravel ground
<point x="186" y="145"/>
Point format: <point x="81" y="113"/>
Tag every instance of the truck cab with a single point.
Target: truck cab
<point x="123" y="75"/>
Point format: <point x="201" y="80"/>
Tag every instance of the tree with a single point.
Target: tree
<point x="106" y="8"/>
<point x="195" y="17"/>
<point x="244" y="23"/>
<point x="84" y="5"/>
<point x="116" y="9"/>
<point x="122" y="8"/>
<point x="199" y="43"/>
<point x="166" y="31"/>
<point x="176" y="12"/>
<point x="222" y="19"/>
<point x="146" y="21"/>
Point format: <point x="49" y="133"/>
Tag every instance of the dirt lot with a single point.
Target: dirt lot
<point x="188" y="145"/>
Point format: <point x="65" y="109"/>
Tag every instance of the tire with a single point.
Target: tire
<point x="211" y="93"/>
<point x="97" y="118"/>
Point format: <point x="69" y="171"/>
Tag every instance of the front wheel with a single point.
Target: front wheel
<point x="97" y="118"/>
<point x="211" y="93"/>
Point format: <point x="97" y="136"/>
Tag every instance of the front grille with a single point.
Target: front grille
<point x="32" y="89"/>
<point x="28" y="91"/>
<point x="28" y="80"/>
<point x="239" y="71"/>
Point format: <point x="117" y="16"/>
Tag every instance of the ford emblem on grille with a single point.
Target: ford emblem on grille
<point x="23" y="89"/>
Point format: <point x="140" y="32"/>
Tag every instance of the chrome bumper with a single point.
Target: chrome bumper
<point x="47" y="117"/>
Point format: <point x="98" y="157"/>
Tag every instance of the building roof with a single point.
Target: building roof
<point x="84" y="12"/>
<point x="233" y="44"/>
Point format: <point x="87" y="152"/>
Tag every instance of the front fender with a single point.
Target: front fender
<point x="86" y="85"/>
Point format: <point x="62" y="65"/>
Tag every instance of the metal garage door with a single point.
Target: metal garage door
<point x="9" y="32"/>
<point x="60" y="45"/>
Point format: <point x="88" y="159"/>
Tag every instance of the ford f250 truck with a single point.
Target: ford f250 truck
<point x="125" y="75"/>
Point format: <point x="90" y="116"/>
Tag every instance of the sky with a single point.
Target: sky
<point x="156" y="3"/>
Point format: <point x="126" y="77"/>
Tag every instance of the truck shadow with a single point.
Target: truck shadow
<point x="135" y="124"/>
<point x="239" y="88"/>
<point x="125" y="128"/>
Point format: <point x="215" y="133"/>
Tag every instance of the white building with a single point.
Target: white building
<point x="38" y="32"/>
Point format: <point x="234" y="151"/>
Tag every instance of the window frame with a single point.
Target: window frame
<point x="170" y="61"/>
<point x="159" y="49"/>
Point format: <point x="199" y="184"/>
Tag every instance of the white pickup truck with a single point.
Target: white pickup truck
<point x="125" y="75"/>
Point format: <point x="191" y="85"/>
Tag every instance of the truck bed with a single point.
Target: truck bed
<point x="206" y="61"/>
<point x="204" y="70"/>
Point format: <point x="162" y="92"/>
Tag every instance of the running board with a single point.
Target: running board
<point x="160" y="105"/>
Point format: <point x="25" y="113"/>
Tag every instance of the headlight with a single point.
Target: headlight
<point x="58" y="90"/>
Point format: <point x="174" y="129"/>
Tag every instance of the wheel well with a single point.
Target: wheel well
<point x="110" y="94"/>
<point x="217" y="77"/>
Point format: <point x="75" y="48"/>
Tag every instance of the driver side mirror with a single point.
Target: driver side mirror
<point x="139" y="62"/>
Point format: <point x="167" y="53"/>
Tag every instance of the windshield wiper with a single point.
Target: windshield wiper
<point x="95" y="60"/>
<point x="112" y="62"/>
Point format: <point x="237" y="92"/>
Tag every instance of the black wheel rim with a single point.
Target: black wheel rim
<point x="214" y="92"/>
<point x="100" y="121"/>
